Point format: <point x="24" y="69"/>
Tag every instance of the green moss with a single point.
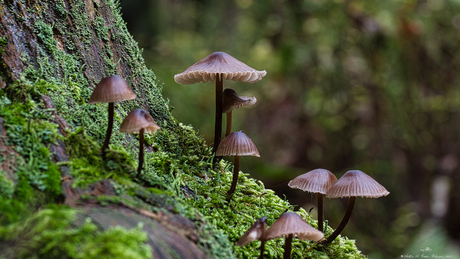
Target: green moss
<point x="49" y="233"/>
<point x="6" y="186"/>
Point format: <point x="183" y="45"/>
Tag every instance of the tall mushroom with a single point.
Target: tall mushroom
<point x="236" y="144"/>
<point x="352" y="184"/>
<point x="255" y="232"/>
<point x="290" y="225"/>
<point x="218" y="66"/>
<point x="139" y="121"/>
<point x="316" y="181"/>
<point x="231" y="101"/>
<point x="109" y="90"/>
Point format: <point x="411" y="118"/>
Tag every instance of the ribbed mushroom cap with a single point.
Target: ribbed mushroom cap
<point x="237" y="144"/>
<point x="206" y="70"/>
<point x="355" y="183"/>
<point x="315" y="181"/>
<point x="254" y="232"/>
<point x="111" y="89"/>
<point x="231" y="100"/>
<point x="138" y="119"/>
<point x="291" y="223"/>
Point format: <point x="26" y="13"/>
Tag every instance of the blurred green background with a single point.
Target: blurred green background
<point x="368" y="85"/>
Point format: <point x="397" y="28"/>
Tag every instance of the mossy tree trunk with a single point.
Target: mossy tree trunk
<point x="72" y="45"/>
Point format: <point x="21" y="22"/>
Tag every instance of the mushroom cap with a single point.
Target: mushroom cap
<point x="255" y="232"/>
<point x="291" y="223"/>
<point x="315" y="181"/>
<point x="111" y="89"/>
<point x="231" y="100"/>
<point x="355" y="183"/>
<point x="207" y="69"/>
<point x="237" y="144"/>
<point x="138" y="119"/>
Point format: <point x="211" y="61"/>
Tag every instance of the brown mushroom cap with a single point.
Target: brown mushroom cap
<point x="136" y="120"/>
<point x="355" y="183"/>
<point x="231" y="100"/>
<point x="111" y="89"/>
<point x="255" y="232"/>
<point x="207" y="69"/>
<point x="237" y="144"/>
<point x="291" y="223"/>
<point x="315" y="181"/>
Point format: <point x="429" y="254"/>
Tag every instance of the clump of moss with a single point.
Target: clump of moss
<point x="50" y="234"/>
<point x="6" y="186"/>
<point x="87" y="165"/>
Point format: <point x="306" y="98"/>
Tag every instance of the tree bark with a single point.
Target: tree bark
<point x="70" y="41"/>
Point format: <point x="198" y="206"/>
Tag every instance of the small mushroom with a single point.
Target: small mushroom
<point x="255" y="232"/>
<point x="236" y="144"/>
<point x="290" y="225"/>
<point x="218" y="66"/>
<point x="316" y="181"/>
<point x="109" y="90"/>
<point x="352" y="184"/>
<point x="139" y="121"/>
<point x="231" y="100"/>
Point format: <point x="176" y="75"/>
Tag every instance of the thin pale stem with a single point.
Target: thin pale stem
<point x="236" y="171"/>
<point x="346" y="217"/>
<point x="229" y="123"/>
<point x="141" y="152"/>
<point x="319" y="200"/>
<point x="218" y="122"/>
<point x="109" y="130"/>
<point x="288" y="247"/>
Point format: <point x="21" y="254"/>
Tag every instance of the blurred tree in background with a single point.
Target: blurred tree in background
<point x="368" y="85"/>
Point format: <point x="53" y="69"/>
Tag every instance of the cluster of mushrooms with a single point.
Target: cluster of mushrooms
<point x="113" y="89"/>
<point x="354" y="183"/>
<point x="219" y="66"/>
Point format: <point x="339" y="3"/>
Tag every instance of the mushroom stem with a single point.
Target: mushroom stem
<point x="346" y="217"/>
<point x="236" y="171"/>
<point x="229" y="123"/>
<point x="288" y="246"/>
<point x="109" y="130"/>
<point x="319" y="200"/>
<point x="218" y="124"/>
<point x="141" y="151"/>
<point x="262" y="249"/>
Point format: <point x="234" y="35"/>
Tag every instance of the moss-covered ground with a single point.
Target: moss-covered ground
<point x="177" y="171"/>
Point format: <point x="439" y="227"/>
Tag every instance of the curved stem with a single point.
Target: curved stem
<point x="236" y="171"/>
<point x="288" y="246"/>
<point x="218" y="122"/>
<point x="346" y="217"/>
<point x="229" y="123"/>
<point x="319" y="200"/>
<point x="141" y="152"/>
<point x="109" y="130"/>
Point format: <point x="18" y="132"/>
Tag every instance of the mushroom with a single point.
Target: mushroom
<point x="139" y="121"/>
<point x="109" y="90"/>
<point x="316" y="181"/>
<point x="352" y="184"/>
<point x="236" y="144"/>
<point x="255" y="232"/>
<point x="289" y="225"/>
<point x="231" y="100"/>
<point x="218" y="66"/>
